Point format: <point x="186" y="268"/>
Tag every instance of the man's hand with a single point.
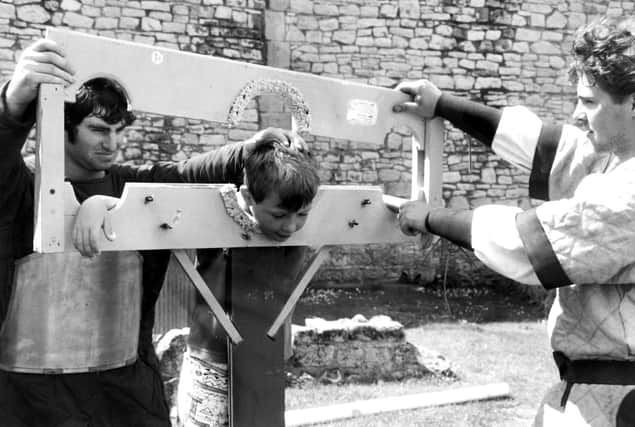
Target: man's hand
<point x="412" y="217"/>
<point x="285" y="137"/>
<point x="425" y="96"/>
<point x="91" y="221"/>
<point x="42" y="62"/>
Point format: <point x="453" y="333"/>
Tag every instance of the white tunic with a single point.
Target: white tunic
<point x="588" y="225"/>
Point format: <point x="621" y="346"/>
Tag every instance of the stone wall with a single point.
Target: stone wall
<point x="228" y="28"/>
<point x="497" y="52"/>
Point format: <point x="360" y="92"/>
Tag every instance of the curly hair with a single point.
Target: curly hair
<point x="604" y="53"/>
<point x="272" y="166"/>
<point x="100" y="97"/>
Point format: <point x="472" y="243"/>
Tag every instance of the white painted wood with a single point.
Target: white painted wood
<point x="198" y="282"/>
<point x="49" y="174"/>
<point x="165" y="81"/>
<point x="304" y="417"/>
<point x="318" y="258"/>
<point x="341" y="214"/>
<point x="393" y="203"/>
<point x="432" y="157"/>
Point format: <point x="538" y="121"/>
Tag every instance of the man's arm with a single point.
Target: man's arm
<point x="13" y="132"/>
<point x="556" y="156"/>
<point x="42" y="62"/>
<point x="222" y="165"/>
<point x="585" y="239"/>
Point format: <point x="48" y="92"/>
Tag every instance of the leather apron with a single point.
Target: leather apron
<point x="69" y="313"/>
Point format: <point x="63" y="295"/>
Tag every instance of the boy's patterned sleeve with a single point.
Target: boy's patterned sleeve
<point x="588" y="238"/>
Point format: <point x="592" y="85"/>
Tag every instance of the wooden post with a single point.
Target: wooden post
<point x="261" y="281"/>
<point x="427" y="162"/>
<point x="49" y="173"/>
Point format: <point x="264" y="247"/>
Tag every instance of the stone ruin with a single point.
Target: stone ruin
<point x="343" y="351"/>
<point x="358" y="350"/>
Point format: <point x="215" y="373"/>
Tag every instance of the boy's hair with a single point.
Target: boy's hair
<point x="604" y="52"/>
<point x="100" y="97"/>
<point x="272" y="166"/>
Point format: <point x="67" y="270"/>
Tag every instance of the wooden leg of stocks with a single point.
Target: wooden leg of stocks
<point x="261" y="280"/>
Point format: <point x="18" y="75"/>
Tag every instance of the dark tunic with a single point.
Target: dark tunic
<point x="128" y="396"/>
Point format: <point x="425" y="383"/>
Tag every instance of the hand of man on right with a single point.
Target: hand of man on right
<point x="425" y="96"/>
<point x="412" y="217"/>
<point x="42" y="62"/>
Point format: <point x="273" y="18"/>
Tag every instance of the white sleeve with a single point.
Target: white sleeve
<point x="497" y="244"/>
<point x="517" y="136"/>
<point x="593" y="233"/>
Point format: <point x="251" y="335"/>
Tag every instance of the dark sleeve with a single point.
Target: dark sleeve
<point x="544" y="158"/>
<point x="13" y="134"/>
<point x="14" y="176"/>
<point x="452" y="224"/>
<point x="223" y="165"/>
<point x="478" y="120"/>
<point x="540" y="251"/>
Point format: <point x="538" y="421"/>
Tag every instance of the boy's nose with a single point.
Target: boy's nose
<point x="290" y="226"/>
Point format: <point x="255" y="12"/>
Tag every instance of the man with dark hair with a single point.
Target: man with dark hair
<point x="279" y="187"/>
<point x="580" y="240"/>
<point x="130" y="392"/>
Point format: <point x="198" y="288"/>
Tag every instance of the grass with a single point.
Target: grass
<point x="489" y="335"/>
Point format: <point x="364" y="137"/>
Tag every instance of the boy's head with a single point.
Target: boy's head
<point x="280" y="184"/>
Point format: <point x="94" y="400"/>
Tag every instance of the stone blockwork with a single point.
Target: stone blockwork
<point x="228" y="28"/>
<point x="359" y="350"/>
<point x="497" y="52"/>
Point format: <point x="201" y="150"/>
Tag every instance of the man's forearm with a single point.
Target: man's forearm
<point x="452" y="224"/>
<point x="490" y="231"/>
<point x="13" y="131"/>
<point x="224" y="164"/>
<point x="13" y="134"/>
<point x="471" y="117"/>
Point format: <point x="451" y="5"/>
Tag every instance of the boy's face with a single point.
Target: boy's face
<point x="276" y="222"/>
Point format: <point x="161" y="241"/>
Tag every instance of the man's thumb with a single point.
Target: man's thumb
<point x="107" y="226"/>
<point x="405" y="107"/>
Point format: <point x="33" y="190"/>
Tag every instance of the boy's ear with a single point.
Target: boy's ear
<point x="246" y="194"/>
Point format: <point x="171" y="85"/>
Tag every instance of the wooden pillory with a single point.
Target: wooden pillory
<point x="173" y="216"/>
